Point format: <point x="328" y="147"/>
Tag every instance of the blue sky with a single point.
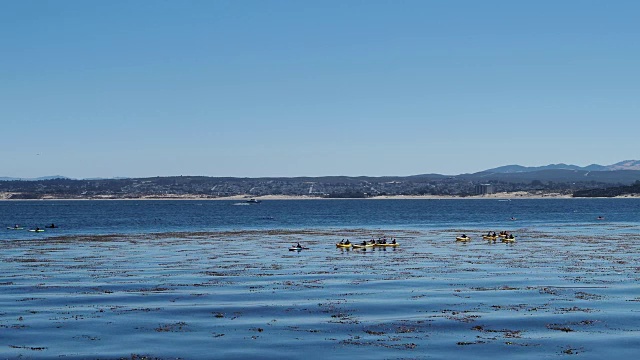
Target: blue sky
<point x="311" y="88"/>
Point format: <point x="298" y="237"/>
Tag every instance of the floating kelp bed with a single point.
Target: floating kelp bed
<point x="241" y="294"/>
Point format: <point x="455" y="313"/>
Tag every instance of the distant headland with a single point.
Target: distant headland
<point x="513" y="181"/>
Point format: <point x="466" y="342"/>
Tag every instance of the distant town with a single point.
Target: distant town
<point x="553" y="180"/>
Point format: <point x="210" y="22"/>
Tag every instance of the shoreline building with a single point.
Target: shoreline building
<point x="484" y="189"/>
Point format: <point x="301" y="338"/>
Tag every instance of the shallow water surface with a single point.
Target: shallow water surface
<point x="568" y="290"/>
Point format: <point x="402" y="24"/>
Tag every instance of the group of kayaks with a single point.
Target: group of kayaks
<point x="370" y="244"/>
<point x="504" y="236"/>
<point x="37" y="229"/>
<point x="348" y="245"/>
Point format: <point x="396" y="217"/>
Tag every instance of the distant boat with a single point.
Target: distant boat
<point x="253" y="201"/>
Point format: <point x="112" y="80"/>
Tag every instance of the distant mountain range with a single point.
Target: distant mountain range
<point x="55" y="177"/>
<point x="34" y="179"/>
<point x="622" y="165"/>
<point x="624" y="172"/>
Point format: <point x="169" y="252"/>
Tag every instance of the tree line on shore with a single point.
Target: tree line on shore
<point x="328" y="187"/>
<point x="633" y="189"/>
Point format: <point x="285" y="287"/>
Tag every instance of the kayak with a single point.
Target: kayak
<point x="487" y="237"/>
<point x="295" y="248"/>
<point x="509" y="240"/>
<point x="396" y="244"/>
<point x="15" y="228"/>
<point x="39" y="230"/>
<point x="343" y="245"/>
<point x="460" y="238"/>
<point x="358" y="246"/>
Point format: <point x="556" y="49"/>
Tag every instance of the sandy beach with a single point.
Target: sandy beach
<point x="244" y="197"/>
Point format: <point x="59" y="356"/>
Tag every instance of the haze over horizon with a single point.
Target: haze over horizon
<point x="285" y="88"/>
<point x="622" y="165"/>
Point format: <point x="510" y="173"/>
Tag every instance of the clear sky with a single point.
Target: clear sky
<point x="309" y="88"/>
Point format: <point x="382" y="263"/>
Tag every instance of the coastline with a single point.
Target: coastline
<point x="244" y="197"/>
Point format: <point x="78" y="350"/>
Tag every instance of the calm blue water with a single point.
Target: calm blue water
<point x="127" y="217"/>
<point x="568" y="286"/>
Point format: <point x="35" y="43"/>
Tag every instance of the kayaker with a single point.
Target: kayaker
<point x="298" y="245"/>
<point x="393" y="241"/>
<point x="347" y="242"/>
<point x="16" y="226"/>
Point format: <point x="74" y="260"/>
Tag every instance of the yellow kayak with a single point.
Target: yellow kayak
<point x="487" y="237"/>
<point x="359" y="246"/>
<point x="460" y="238"/>
<point x="507" y="240"/>
<point x="343" y="245"/>
<point x="390" y="244"/>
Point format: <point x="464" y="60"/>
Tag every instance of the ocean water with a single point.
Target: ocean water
<point x="215" y="279"/>
<point x="140" y="217"/>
